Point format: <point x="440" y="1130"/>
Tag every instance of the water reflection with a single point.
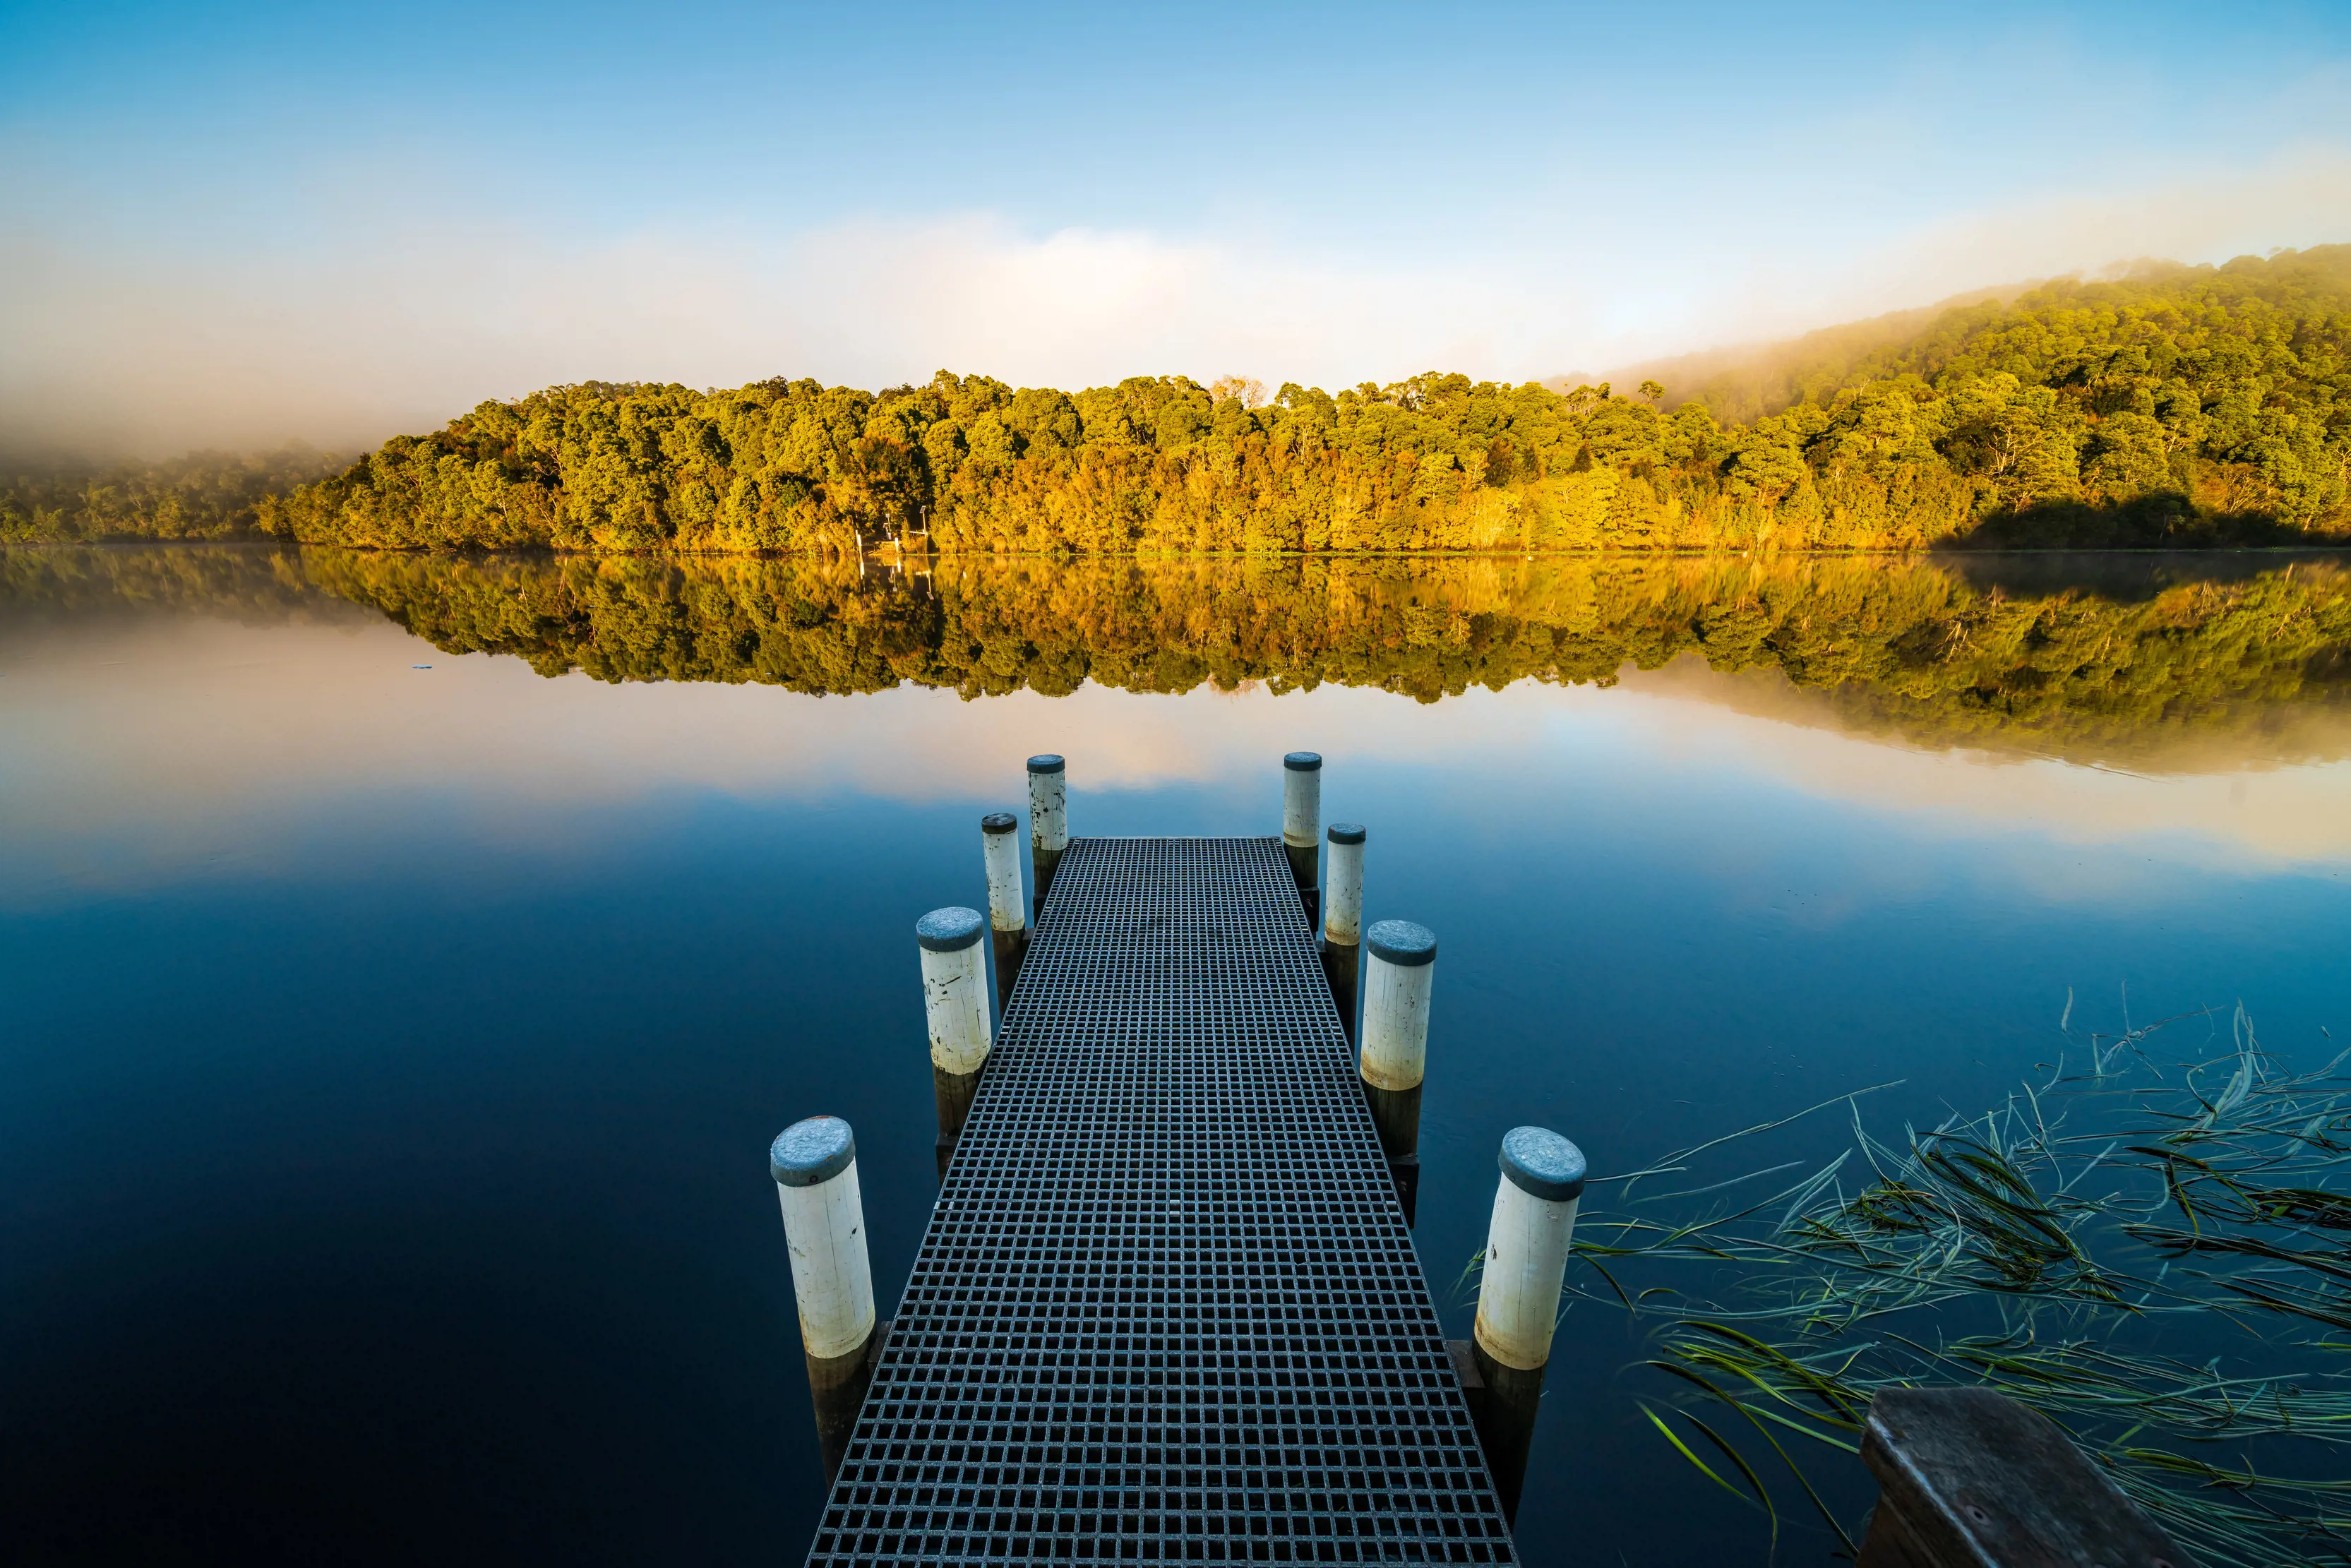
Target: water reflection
<point x="2110" y="660"/>
<point x="2162" y="662"/>
<point x="467" y="999"/>
<point x="2202" y="702"/>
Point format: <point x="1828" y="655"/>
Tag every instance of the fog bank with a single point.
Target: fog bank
<point x="397" y="320"/>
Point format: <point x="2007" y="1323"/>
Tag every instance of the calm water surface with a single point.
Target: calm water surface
<point x="404" y="964"/>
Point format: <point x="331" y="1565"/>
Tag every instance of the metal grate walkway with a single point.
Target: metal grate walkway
<point x="1167" y="1309"/>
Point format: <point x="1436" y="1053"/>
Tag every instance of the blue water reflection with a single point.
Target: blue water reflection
<point x="390" y="1054"/>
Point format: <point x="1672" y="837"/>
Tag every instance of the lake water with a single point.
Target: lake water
<point x="404" y="963"/>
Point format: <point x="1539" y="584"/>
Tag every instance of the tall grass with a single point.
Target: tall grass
<point x="2157" y="1257"/>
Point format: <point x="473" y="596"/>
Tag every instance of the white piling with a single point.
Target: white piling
<point x="1395" y="1053"/>
<point x="1049" y="820"/>
<point x="1527" y="1245"/>
<point x="955" y="991"/>
<point x="954" y="1008"/>
<point x="1397" y="984"/>
<point x="1343" y="894"/>
<point x="1008" y="907"/>
<point x="815" y="1167"/>
<point x="1302" y="800"/>
<point x="1301" y="817"/>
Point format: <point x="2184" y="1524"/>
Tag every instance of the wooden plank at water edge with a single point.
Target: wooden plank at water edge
<point x="1970" y="1479"/>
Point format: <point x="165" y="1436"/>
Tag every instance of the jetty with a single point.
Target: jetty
<point x="1167" y="1309"/>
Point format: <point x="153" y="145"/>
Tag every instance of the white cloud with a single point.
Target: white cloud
<point x="400" y="320"/>
<point x="405" y="331"/>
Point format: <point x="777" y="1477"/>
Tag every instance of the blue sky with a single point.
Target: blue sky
<point x="240" y="224"/>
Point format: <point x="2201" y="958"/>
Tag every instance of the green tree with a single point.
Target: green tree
<point x="2187" y="405"/>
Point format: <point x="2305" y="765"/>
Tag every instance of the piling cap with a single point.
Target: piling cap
<point x="1303" y="762"/>
<point x="806" y="1153"/>
<point x="998" y="823"/>
<point x="1403" y="943"/>
<point x="1346" y="833"/>
<point x="949" y="930"/>
<point x="1045" y="763"/>
<point x="1539" y="1161"/>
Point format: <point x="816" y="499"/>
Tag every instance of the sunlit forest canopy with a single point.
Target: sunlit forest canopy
<point x="2141" y="663"/>
<point x="2170" y="405"/>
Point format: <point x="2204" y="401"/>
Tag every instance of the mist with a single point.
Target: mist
<point x="391" y="321"/>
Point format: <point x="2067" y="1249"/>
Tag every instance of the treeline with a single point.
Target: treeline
<point x="202" y="495"/>
<point x="2175" y="406"/>
<point x="1910" y="648"/>
<point x="1740" y="383"/>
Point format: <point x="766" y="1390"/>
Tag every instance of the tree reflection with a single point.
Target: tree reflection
<point x="2095" y="659"/>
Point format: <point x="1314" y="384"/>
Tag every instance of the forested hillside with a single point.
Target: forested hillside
<point x="2174" y="405"/>
<point x="202" y="495"/>
<point x="1741" y="382"/>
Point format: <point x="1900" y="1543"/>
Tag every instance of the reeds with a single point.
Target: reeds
<point x="2051" y="1249"/>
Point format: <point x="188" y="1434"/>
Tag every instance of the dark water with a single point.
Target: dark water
<point x="388" y="1055"/>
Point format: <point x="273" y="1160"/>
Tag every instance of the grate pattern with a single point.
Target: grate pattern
<point x="1167" y="1310"/>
